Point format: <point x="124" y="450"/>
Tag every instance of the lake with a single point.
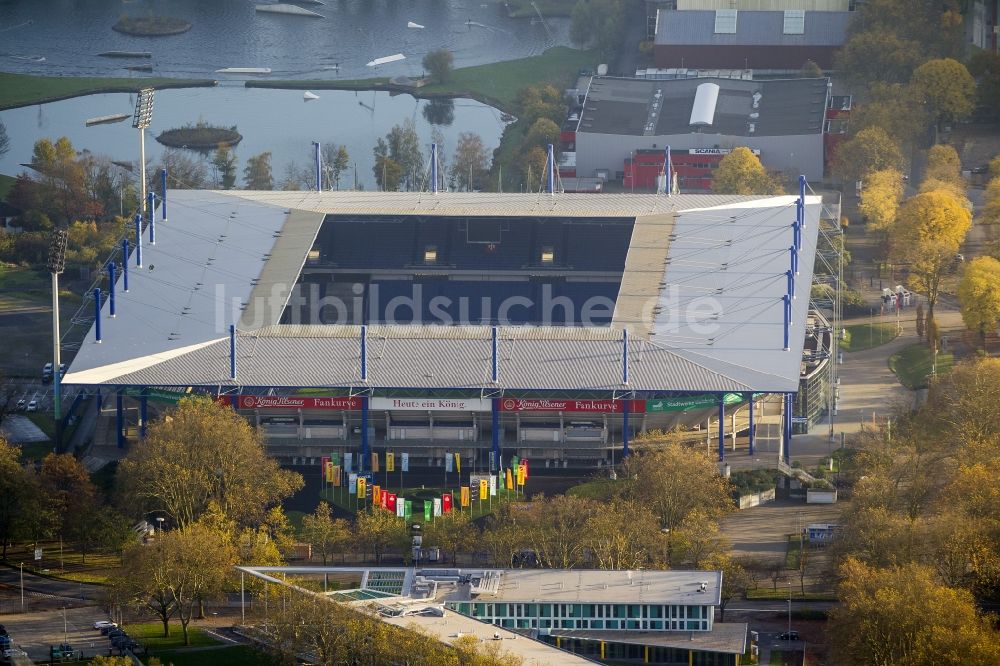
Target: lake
<point x="276" y="120"/>
<point x="69" y="34"/>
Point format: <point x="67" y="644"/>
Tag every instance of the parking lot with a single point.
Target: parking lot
<point x="36" y="632"/>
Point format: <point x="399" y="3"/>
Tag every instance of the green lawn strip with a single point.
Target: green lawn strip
<point x="150" y="634"/>
<point x="21" y="90"/>
<point x="348" y="502"/>
<point x="233" y="655"/>
<point x="867" y="336"/>
<point x="69" y="565"/>
<point x="597" y="489"/>
<point x="914" y="364"/>
<point x="769" y="594"/>
<point x="495" y="83"/>
<point x="793" y="552"/>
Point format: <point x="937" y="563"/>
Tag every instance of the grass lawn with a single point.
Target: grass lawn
<point x="496" y="83"/>
<point x="20" y="90"/>
<point x="151" y="635"/>
<point x="770" y="594"/>
<point x="793" y="552"/>
<point x="914" y="364"/>
<point x="234" y="655"/>
<point x="867" y="336"/>
<point x="597" y="489"/>
<point x="70" y="566"/>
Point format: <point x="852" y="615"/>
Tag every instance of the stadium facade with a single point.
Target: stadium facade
<point x="552" y="327"/>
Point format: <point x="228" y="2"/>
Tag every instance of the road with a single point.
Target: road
<point x="60" y="591"/>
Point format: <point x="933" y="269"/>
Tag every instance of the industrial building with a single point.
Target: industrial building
<point x="625" y="125"/>
<point x="550" y="616"/>
<point x="554" y="327"/>
<point x="765" y="41"/>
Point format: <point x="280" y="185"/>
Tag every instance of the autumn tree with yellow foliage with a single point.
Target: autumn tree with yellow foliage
<point x="740" y="172"/>
<point x="871" y="149"/>
<point x="979" y="296"/>
<point x="946" y="87"/>
<point x="926" y="237"/>
<point x="880" y="197"/>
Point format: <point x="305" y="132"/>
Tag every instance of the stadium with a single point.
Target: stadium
<point x="554" y="327"/>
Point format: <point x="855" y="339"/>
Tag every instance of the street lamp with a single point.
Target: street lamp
<point x="56" y="265"/>
<point x="140" y="120"/>
<point x="159" y="529"/>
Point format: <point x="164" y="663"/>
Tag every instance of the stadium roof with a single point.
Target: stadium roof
<point x="753" y="28"/>
<point x="778" y="107"/>
<point x="704" y="308"/>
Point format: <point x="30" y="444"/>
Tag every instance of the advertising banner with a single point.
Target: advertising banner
<point x="546" y="405"/>
<point x="390" y="461"/>
<point x="296" y="402"/>
<point x="448" y="464"/>
<point x="376" y="495"/>
<point x="428" y="511"/>
<point x="446" y="503"/>
<point x="349" y="461"/>
<point x="405" y="462"/>
<point x="361" y="487"/>
<point x="384" y="503"/>
<point x="689" y="402"/>
<point x="352" y="483"/>
<point x="337" y="474"/>
<point x="437" y="506"/>
<point x="493" y="486"/>
<point x="400" y="507"/>
<point x="374" y="461"/>
<point x="465" y="496"/>
<point x="391" y="503"/>
<point x="431" y="404"/>
<point x="484" y="488"/>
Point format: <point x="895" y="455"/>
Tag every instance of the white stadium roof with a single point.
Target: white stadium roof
<point x="701" y="297"/>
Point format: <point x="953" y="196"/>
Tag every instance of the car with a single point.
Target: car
<point x="100" y="624"/>
<point x="47" y="368"/>
<point x="789" y="636"/>
<point x="46" y="377"/>
<point x="32" y="406"/>
<point x="21" y="404"/>
<point x="3" y="630"/>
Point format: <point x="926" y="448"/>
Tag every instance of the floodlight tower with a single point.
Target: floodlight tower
<point x="140" y="121"/>
<point x="57" y="263"/>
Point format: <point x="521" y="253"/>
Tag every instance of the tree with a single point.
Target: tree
<point x="452" y="532"/>
<point x="378" y="530"/>
<point x="944" y="164"/>
<point x="554" y="529"/>
<point x="335" y="160"/>
<point x="878" y="56"/>
<point x="439" y="63"/>
<point x="895" y="109"/>
<point x="224" y="162"/>
<point x="102" y="660"/>
<point x="979" y="296"/>
<point x="72" y="496"/>
<point x="599" y="24"/>
<point x="901" y="615"/>
<point x="920" y="321"/>
<point x="439" y="111"/>
<point x="735" y="580"/>
<point x="199" y="562"/>
<point x="533" y="164"/>
<point x="542" y="100"/>
<point x="623" y="534"/>
<point x="946" y="87"/>
<point x="871" y="149"/>
<point x="4" y="140"/>
<point x="674" y="481"/>
<point x="403" y="148"/>
<point x="880" y="197"/>
<point x="204" y="452"/>
<point x="740" y="172"/>
<point x="927" y="235"/>
<point x="541" y="133"/>
<point x="470" y="163"/>
<point x="257" y="172"/>
<point x="13" y="493"/>
<point x="959" y="407"/>
<point x="985" y="68"/>
<point x="991" y="209"/>
<point x="183" y="171"/>
<point x="326" y="535"/>
<point x="143" y="581"/>
<point x="810" y="70"/>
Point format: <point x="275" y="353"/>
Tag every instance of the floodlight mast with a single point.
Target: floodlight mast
<point x="56" y="265"/>
<point x="140" y="120"/>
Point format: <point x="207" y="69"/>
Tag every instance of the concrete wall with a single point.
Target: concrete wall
<point x="799" y="154"/>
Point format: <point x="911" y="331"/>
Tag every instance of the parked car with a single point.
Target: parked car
<point x="789" y="636"/>
<point x="100" y="624"/>
<point x="21" y="404"/>
<point x="32" y="406"/>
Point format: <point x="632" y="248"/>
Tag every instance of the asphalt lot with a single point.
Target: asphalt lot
<point x="35" y="632"/>
<point x="761" y="531"/>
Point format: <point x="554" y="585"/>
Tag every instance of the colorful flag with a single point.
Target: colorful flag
<point x="524" y="464"/>
<point x="408" y="509"/>
<point x="335" y="458"/>
<point x="493" y="461"/>
<point x="376" y="495"/>
<point x="510" y="480"/>
<point x="446" y="503"/>
<point x="400" y="508"/>
<point x="337" y="475"/>
<point x="352" y="483"/>
<point x="447" y="462"/>
<point x="328" y="471"/>
<point x="514" y="462"/>
<point x="437" y="506"/>
<point x="323" y="462"/>
<point x="391" y="503"/>
<point x="465" y="496"/>
<point x="384" y="502"/>
<point x="484" y="488"/>
<point x="390" y="461"/>
<point x="361" y="487"/>
<point x="521" y="475"/>
<point x="349" y="461"/>
<point x="458" y="463"/>
<point x="493" y="486"/>
<point x="406" y="462"/>
<point x="374" y="461"/>
<point x="428" y="510"/>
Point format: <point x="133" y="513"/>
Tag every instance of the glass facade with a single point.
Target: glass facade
<point x="625" y="653"/>
<point x="614" y="617"/>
